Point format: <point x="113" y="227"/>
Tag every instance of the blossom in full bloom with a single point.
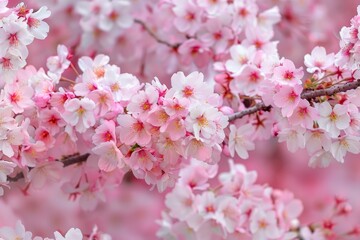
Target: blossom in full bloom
<point x="79" y="113"/>
<point x="333" y="120"/>
<point x="240" y="140"/>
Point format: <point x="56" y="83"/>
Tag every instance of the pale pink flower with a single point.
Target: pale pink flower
<point x="176" y="128"/>
<point x="321" y="159"/>
<point x="263" y="225"/>
<point x="97" y="65"/>
<point x="110" y="156"/>
<point x="240" y="55"/>
<point x="217" y="36"/>
<point x="72" y="234"/>
<point x="240" y="140"/>
<point x="79" y="113"/>
<point x="287" y="74"/>
<point x="144" y="101"/>
<point x="18" y="232"/>
<point x="308" y="234"/>
<point x="171" y="150"/>
<point x="176" y="107"/>
<point x="201" y="121"/>
<point x="6" y="168"/>
<point x="188" y="16"/>
<point x="269" y="17"/>
<point x="318" y="61"/>
<point x="345" y="144"/>
<point x="119" y="15"/>
<point x="133" y="131"/>
<point x="294" y="138"/>
<point x="87" y="84"/>
<point x="58" y="64"/>
<point x="14" y="35"/>
<point x="122" y="86"/>
<point x="45" y="173"/>
<point x="228" y="213"/>
<point x="9" y="139"/>
<point x="181" y="202"/>
<point x="103" y="100"/>
<point x="316" y="140"/>
<point x="191" y="87"/>
<point x="141" y="160"/>
<point x="287" y="98"/>
<point x="334" y="119"/>
<point x="247" y="81"/>
<point x="213" y="8"/>
<point x="199" y="150"/>
<point x="37" y="27"/>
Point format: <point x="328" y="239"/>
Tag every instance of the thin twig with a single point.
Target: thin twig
<point x="67" y="161"/>
<point x="157" y="38"/>
<point x="250" y="110"/>
<point x="306" y="94"/>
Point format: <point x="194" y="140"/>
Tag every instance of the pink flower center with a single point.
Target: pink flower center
<point x="288" y="75"/>
<point x="188" y="91"/>
<point x="13" y="40"/>
<point x="33" y="22"/>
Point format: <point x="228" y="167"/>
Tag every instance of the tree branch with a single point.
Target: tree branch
<point x="250" y="110"/>
<point x="311" y="94"/>
<point x="306" y="94"/>
<point x="157" y="38"/>
<point x="67" y="161"/>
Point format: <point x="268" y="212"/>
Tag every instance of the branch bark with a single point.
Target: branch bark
<point x="67" y="161"/>
<point x="307" y="94"/>
<point x="156" y="37"/>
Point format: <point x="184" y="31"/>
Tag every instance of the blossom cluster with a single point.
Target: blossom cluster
<point x="327" y="125"/>
<point x="146" y="128"/>
<point x="19" y="27"/>
<point x="19" y="232"/>
<point x="237" y="208"/>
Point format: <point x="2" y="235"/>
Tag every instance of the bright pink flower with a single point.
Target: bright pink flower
<point x="104" y="133"/>
<point x="303" y="115"/>
<point x="19" y="97"/>
<point x="287" y="98"/>
<point x="287" y="74"/>
<point x="133" y="131"/>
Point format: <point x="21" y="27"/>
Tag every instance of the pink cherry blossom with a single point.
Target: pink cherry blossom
<point x="287" y="74"/>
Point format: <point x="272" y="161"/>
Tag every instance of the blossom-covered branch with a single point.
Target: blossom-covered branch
<point x="306" y="94"/>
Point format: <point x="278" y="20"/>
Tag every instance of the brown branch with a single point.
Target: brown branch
<point x="306" y="94"/>
<point x="157" y="38"/>
<point x="311" y="94"/>
<point x="250" y="110"/>
<point x="67" y="161"/>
